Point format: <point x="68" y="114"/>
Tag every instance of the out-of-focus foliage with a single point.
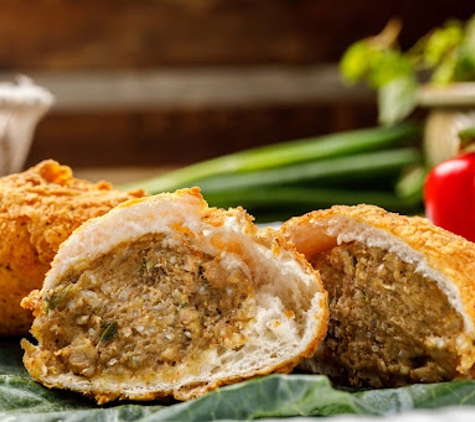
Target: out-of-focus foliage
<point x="446" y="53"/>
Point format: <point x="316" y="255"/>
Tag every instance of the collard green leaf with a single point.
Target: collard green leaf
<point x="274" y="396"/>
<point x="11" y="358"/>
<point x="417" y="396"/>
<point x="20" y="393"/>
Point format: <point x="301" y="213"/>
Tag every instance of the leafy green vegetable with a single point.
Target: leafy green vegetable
<point x="274" y="396"/>
<point x="446" y="53"/>
<point x="10" y="359"/>
<point x="397" y="98"/>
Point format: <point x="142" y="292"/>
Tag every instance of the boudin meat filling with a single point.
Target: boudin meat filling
<point x="145" y="304"/>
<point x="389" y="325"/>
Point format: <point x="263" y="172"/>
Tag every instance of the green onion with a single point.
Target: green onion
<point x="279" y="155"/>
<point x="290" y="178"/>
<point x="348" y="167"/>
<point x="411" y="183"/>
<point x="286" y="201"/>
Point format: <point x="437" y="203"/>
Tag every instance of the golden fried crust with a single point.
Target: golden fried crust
<point x="39" y="209"/>
<point x="445" y="252"/>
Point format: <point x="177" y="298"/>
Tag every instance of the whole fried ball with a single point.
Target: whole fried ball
<point x="39" y="209"/>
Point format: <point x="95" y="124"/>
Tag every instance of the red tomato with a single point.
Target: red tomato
<point x="449" y="195"/>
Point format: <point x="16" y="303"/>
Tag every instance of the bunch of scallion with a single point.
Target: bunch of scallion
<point x="374" y="166"/>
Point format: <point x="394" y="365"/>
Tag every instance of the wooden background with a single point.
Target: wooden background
<point x="76" y="44"/>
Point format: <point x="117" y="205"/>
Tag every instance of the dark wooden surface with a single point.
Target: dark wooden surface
<point x="144" y="35"/>
<point x="67" y="34"/>
<point x="177" y="137"/>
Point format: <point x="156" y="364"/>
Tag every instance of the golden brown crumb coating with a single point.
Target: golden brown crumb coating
<point x="39" y="209"/>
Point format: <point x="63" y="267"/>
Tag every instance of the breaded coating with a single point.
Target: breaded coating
<point x="39" y="209"/>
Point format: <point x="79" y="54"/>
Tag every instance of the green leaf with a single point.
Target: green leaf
<point x="469" y="40"/>
<point x="23" y="394"/>
<point x="376" y="59"/>
<point x="446" y="71"/>
<point x="388" y="66"/>
<point x="467" y="135"/>
<point x="442" y="41"/>
<point x="377" y="67"/>
<point x="464" y="69"/>
<point x="11" y="358"/>
<point x="397" y="99"/>
<point x="274" y="396"/>
<point x="354" y="63"/>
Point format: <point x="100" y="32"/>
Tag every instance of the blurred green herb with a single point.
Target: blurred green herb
<point x="467" y="136"/>
<point x="446" y="54"/>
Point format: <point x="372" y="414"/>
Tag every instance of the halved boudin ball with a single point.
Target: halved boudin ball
<point x="166" y="297"/>
<point x="401" y="296"/>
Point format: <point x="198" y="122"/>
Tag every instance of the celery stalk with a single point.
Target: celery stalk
<point x="279" y="155"/>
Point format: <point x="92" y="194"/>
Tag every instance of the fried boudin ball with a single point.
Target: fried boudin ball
<point x="401" y="294"/>
<point x="39" y="209"/>
<point x="166" y="297"/>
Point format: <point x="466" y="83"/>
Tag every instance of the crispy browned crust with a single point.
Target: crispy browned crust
<point x="39" y="209"/>
<point x="447" y="253"/>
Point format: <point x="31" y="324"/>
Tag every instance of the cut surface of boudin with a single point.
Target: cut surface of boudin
<point x="401" y="296"/>
<point x="166" y="297"/>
